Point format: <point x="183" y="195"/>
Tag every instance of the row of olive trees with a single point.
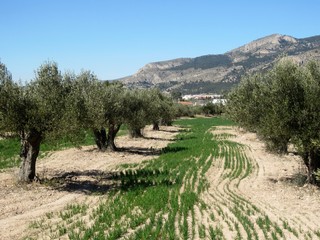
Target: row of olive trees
<point x="282" y="106"/>
<point x="53" y="105"/>
<point x="208" y="109"/>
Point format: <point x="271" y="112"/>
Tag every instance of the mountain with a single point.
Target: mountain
<point x="215" y="73"/>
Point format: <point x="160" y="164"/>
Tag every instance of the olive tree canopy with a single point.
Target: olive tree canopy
<point x="282" y="106"/>
<point x="33" y="112"/>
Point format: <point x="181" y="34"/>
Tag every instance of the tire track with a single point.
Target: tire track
<point x="247" y="217"/>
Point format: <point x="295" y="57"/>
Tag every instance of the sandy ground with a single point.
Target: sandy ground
<point x="273" y="187"/>
<point x="278" y="185"/>
<point x="83" y="172"/>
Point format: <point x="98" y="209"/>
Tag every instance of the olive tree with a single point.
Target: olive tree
<point x="115" y="112"/>
<point x="86" y="104"/>
<point x="283" y="101"/>
<point x="142" y="107"/>
<point x="282" y="106"/>
<point x="34" y="111"/>
<point x="136" y="111"/>
<point x="269" y="104"/>
<point x="10" y="102"/>
<point x="160" y="108"/>
<point x="98" y="106"/>
<point x="307" y="137"/>
<point x="244" y="102"/>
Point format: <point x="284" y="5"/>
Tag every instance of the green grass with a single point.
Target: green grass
<point x="72" y="210"/>
<point x="9" y="152"/>
<point x="10" y="148"/>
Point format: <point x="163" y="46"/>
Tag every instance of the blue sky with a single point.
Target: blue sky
<point x="116" y="38"/>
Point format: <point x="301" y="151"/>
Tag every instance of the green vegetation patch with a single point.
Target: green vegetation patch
<point x="10" y="148"/>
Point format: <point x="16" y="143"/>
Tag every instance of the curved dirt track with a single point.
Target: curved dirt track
<point x="75" y="176"/>
<point x="258" y="196"/>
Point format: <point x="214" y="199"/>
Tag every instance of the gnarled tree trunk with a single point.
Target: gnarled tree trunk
<point x="156" y="126"/>
<point x="312" y="161"/>
<point x="100" y="139"/>
<point x="30" y="147"/>
<point x="135" y="133"/>
<point x="112" y="132"/>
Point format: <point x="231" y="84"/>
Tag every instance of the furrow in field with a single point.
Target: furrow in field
<point x="232" y="190"/>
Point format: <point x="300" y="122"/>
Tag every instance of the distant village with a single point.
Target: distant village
<point x="202" y="99"/>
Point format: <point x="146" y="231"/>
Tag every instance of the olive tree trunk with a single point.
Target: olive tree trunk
<point x="135" y="133"/>
<point x="112" y="132"/>
<point x="30" y="147"/>
<point x="100" y="137"/>
<point x="155" y="126"/>
<point x="312" y="161"/>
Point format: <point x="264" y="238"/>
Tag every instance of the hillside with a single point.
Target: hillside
<point x="215" y="73"/>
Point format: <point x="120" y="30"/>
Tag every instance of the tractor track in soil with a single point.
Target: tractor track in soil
<point x="266" y="202"/>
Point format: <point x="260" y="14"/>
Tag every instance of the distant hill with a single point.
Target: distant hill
<point x="215" y="73"/>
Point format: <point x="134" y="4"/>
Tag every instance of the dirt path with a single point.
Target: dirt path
<point x="278" y="187"/>
<point x="268" y="202"/>
<point x="75" y="175"/>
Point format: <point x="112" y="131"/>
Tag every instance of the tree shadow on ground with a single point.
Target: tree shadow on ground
<point x="160" y="139"/>
<point x="87" y="182"/>
<point x="171" y="149"/>
<point x="297" y="179"/>
<point x="151" y="151"/>
<point x="97" y="182"/>
<point x="140" y="151"/>
<point x="171" y="131"/>
<point x="133" y="178"/>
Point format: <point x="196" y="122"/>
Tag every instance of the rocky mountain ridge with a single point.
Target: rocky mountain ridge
<point x="215" y="73"/>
